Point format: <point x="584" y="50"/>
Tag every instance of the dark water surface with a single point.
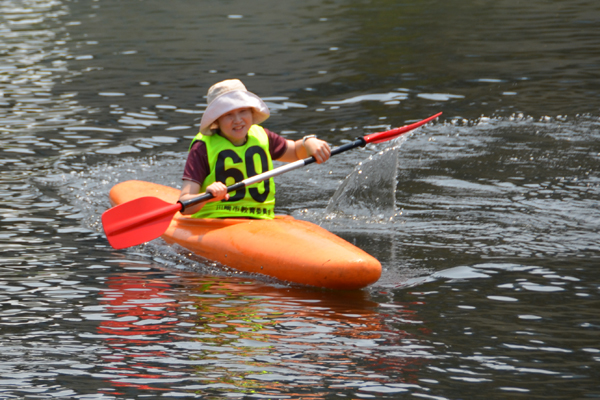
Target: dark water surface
<point x="486" y="222"/>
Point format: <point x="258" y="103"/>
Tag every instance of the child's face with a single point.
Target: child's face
<point x="235" y="125"/>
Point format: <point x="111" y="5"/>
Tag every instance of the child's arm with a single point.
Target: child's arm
<point x="191" y="189"/>
<point x="312" y="146"/>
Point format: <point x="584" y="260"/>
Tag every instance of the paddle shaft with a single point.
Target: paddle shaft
<point x="360" y="142"/>
<point x="146" y="218"/>
<point x="378" y="137"/>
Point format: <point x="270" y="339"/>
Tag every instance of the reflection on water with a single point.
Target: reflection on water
<point x="209" y="336"/>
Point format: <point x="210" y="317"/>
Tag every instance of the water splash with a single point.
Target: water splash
<point x="370" y="190"/>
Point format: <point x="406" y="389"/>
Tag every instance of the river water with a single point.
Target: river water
<point x="487" y="228"/>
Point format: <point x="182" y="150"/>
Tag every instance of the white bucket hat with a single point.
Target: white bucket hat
<point x="229" y="95"/>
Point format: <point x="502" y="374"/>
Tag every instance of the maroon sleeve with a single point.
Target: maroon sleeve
<point x="277" y="145"/>
<point x="196" y="167"/>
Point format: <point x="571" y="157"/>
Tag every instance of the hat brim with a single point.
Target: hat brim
<point x="232" y="101"/>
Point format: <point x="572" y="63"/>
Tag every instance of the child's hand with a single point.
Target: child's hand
<point x="219" y="190"/>
<point x="319" y="149"/>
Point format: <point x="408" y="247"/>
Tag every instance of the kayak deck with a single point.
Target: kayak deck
<point x="284" y="247"/>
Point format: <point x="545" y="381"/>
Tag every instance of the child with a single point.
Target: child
<point x="231" y="147"/>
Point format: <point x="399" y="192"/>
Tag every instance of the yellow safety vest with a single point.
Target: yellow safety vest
<point x="231" y="164"/>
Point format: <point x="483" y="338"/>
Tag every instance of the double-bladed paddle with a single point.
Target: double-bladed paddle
<point x="147" y="218"/>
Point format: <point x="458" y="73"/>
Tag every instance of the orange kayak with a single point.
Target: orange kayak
<point x="284" y="248"/>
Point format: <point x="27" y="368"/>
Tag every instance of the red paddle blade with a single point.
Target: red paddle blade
<point x="137" y="221"/>
<point x="380" y="137"/>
